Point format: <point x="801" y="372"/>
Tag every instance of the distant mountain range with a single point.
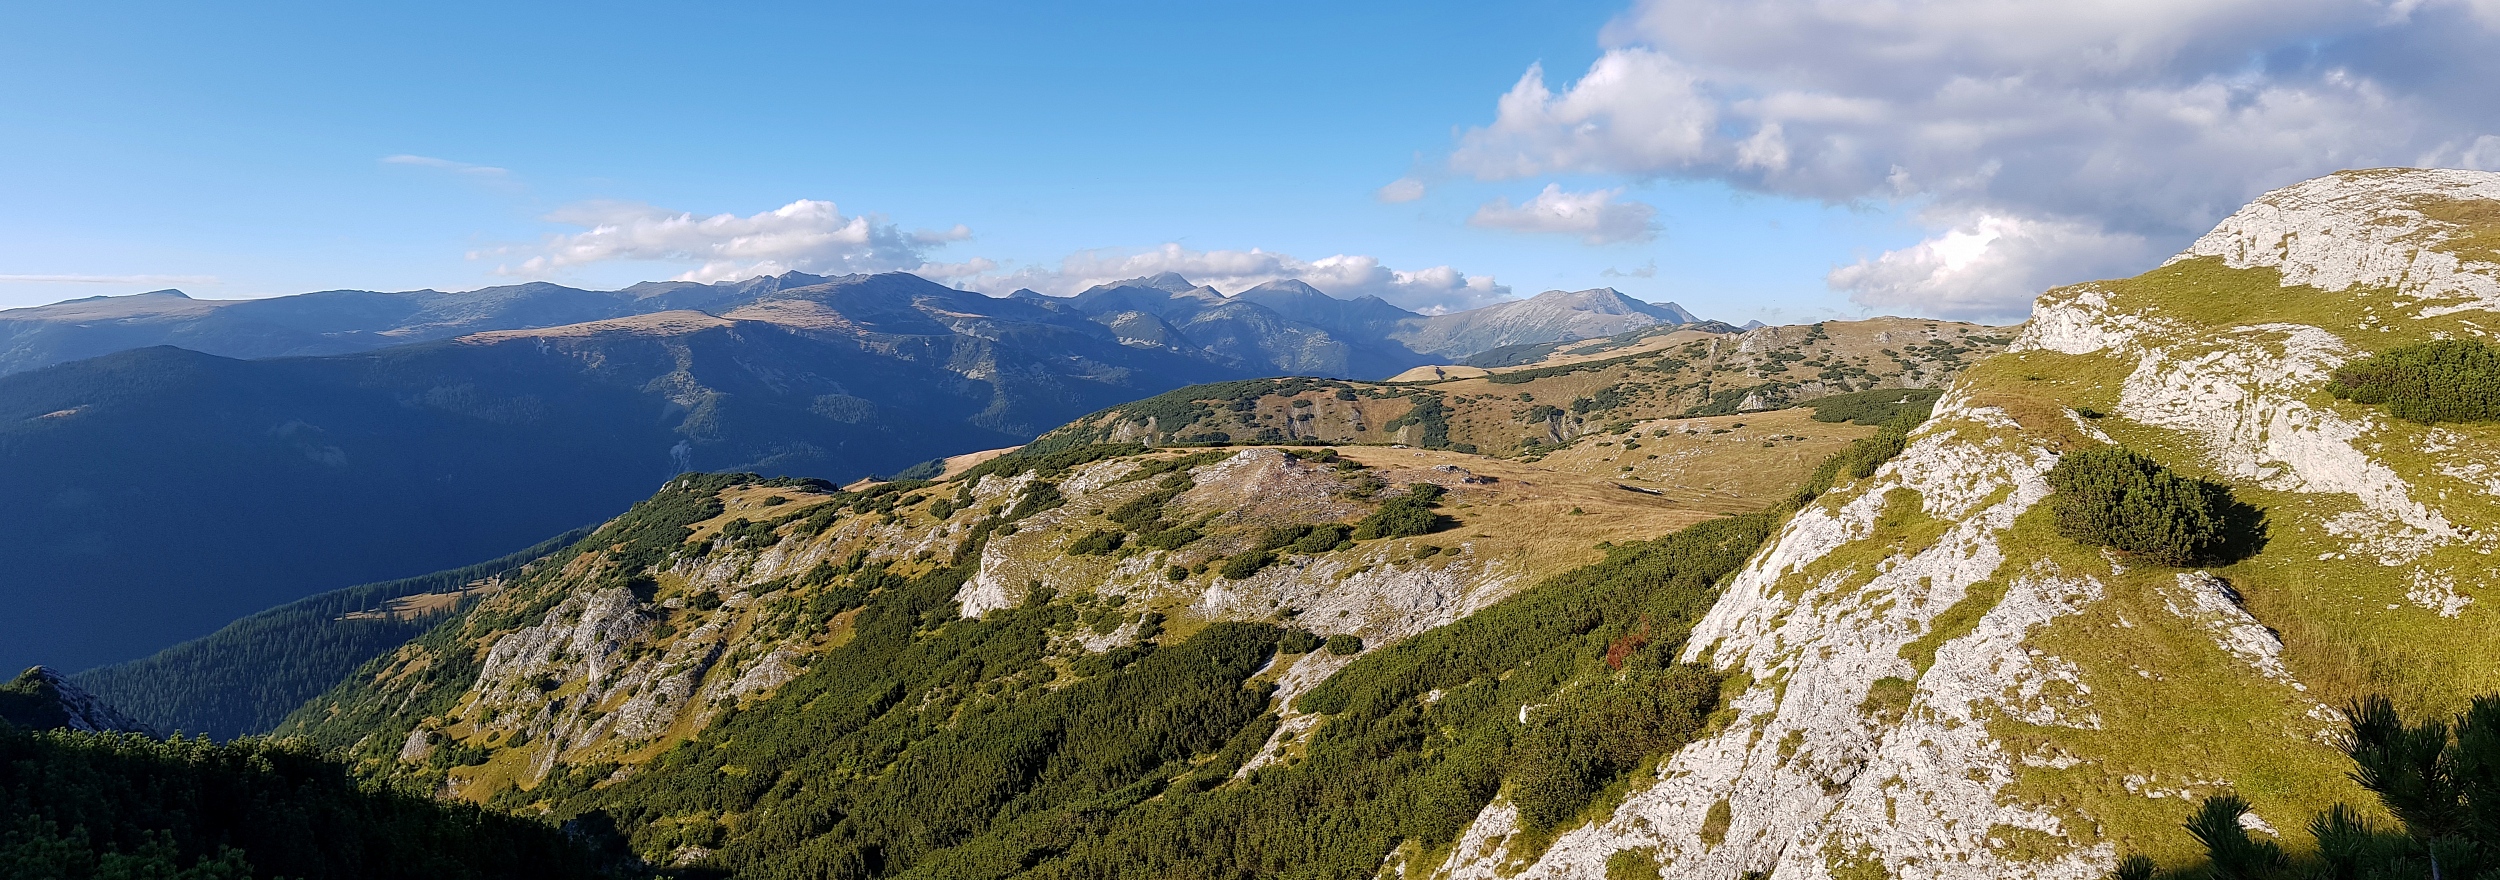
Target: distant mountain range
<point x="159" y="447"/>
<point x="1281" y="326"/>
<point x="1302" y="331"/>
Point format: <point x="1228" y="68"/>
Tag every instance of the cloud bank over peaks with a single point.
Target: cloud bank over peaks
<point x="807" y="235"/>
<point x="2120" y="130"/>
<point x="1595" y="217"/>
<point x="1431" y="291"/>
<point x="817" y="238"/>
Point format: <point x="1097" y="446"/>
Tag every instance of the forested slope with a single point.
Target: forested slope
<point x="88" y="806"/>
<point x="245" y="678"/>
<point x="1079" y="663"/>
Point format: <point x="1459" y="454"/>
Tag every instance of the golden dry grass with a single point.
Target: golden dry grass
<point x="957" y="464"/>
<point x="750" y="503"/>
<point x="1760" y="458"/>
<point x="1664" y="376"/>
<point x="1541" y="520"/>
<point x="1438" y="372"/>
<point x="422" y="604"/>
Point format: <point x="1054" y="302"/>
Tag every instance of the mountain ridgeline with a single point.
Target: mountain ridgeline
<point x="1597" y="387"/>
<point x="2181" y="578"/>
<point x="2192" y="545"/>
<point x="168" y="490"/>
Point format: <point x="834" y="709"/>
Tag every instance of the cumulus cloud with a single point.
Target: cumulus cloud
<point x="804" y="236"/>
<point x="1431" y="291"/>
<point x="1964" y="271"/>
<point x="1595" y="217"/>
<point x="2081" y="122"/>
<point x="1404" y="189"/>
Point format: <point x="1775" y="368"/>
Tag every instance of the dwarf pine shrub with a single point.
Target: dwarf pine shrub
<point x="2111" y="497"/>
<point x="2449" y="380"/>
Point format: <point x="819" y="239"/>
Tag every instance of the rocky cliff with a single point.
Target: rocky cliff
<point x="1942" y="686"/>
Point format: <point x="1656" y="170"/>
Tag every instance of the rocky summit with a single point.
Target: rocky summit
<point x="1940" y="685"/>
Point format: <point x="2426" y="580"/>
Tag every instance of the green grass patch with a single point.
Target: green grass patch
<point x="1958" y="620"/>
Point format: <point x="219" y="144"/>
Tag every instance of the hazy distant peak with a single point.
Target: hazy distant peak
<point x="1595" y="297"/>
<point x="1287" y="286"/>
<point x="1168" y="282"/>
<point x="1552" y="316"/>
<point x="153" y="305"/>
<point x="1609" y="301"/>
<point x="785" y="281"/>
<point x="167" y="293"/>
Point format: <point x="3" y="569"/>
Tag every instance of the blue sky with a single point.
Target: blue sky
<point x="245" y="146"/>
<point x="1749" y="160"/>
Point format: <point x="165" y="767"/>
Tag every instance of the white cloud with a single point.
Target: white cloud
<point x="1965" y="271"/>
<point x="2145" y="119"/>
<point x="1594" y="216"/>
<point x="1432" y="291"/>
<point x="946" y="272"/>
<point x="108" y="279"/>
<point x="804" y="236"/>
<point x="461" y="168"/>
<point x="1404" y="189"/>
<point x="1634" y="109"/>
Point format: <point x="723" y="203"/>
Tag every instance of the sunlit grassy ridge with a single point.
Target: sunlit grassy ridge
<point x="2177" y="715"/>
<point x="1093" y="707"/>
<point x="1530" y="409"/>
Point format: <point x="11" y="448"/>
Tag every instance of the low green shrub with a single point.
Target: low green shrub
<point x="2449" y="380"/>
<point x="1172" y="538"/>
<point x="2111" y="497"/>
<point x="1246" y="564"/>
<point x="1875" y="407"/>
<point x="1405" y="516"/>
<point x="1097" y="543"/>
<point x="1597" y="732"/>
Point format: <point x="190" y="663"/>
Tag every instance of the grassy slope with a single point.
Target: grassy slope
<point x="2186" y="718"/>
<point x="1529" y="522"/>
<point x="1598" y="388"/>
<point x="1541" y="516"/>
